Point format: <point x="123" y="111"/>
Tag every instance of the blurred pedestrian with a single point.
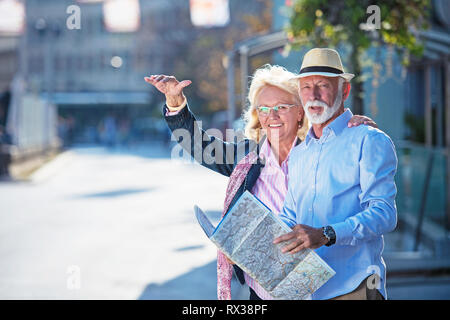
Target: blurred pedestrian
<point x="70" y="123"/>
<point x="124" y="132"/>
<point x="110" y="130"/>
<point x="5" y="156"/>
<point x="62" y="130"/>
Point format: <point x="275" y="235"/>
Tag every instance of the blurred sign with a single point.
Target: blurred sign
<point x="12" y="17"/>
<point x="87" y="99"/>
<point x="122" y="15"/>
<point x="89" y="1"/>
<point x="210" y="13"/>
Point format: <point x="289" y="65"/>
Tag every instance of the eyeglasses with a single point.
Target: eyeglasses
<point x="280" y="109"/>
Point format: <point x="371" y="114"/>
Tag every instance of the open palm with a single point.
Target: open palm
<point x="168" y="85"/>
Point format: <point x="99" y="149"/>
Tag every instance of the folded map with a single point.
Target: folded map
<point x="245" y="235"/>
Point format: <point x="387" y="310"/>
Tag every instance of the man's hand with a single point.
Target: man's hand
<point x="169" y="85"/>
<point x="302" y="237"/>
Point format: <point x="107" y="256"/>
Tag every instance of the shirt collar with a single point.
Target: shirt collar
<point x="336" y="126"/>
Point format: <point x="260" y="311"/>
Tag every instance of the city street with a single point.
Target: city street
<point x="99" y="224"/>
<point x="96" y="202"/>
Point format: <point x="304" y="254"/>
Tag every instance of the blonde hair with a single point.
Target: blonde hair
<point x="276" y="76"/>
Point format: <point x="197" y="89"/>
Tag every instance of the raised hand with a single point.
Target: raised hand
<point x="170" y="87"/>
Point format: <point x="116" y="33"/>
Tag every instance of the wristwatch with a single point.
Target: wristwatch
<point x="329" y="233"/>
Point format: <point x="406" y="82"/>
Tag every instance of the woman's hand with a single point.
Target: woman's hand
<point x="170" y="87"/>
<point x="229" y="261"/>
<point x="357" y="120"/>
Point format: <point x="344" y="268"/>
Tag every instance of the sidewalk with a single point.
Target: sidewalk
<point x="188" y="285"/>
<point x="124" y="219"/>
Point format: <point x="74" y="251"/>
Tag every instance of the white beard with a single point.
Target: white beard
<point x="327" y="112"/>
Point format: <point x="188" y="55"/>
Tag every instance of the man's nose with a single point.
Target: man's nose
<point x="316" y="93"/>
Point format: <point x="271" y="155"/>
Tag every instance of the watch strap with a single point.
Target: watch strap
<point x="329" y="233"/>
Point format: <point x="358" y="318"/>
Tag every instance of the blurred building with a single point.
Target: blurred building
<point x="9" y="58"/>
<point x="69" y="82"/>
<point x="94" y="60"/>
<point x="91" y="72"/>
<point x="97" y="70"/>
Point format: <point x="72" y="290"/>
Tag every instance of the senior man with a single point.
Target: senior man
<point x="341" y="197"/>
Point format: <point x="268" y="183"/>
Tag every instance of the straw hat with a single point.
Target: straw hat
<point x="323" y="62"/>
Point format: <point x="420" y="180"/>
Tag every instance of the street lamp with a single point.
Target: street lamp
<point x="116" y="62"/>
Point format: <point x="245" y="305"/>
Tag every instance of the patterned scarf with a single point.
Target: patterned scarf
<point x="225" y="269"/>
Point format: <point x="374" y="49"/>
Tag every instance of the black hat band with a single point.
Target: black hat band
<point x="321" y="69"/>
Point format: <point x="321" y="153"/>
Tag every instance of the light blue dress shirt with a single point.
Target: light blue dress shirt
<point x="345" y="179"/>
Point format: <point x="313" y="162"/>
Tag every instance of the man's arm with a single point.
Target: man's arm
<point x="378" y="165"/>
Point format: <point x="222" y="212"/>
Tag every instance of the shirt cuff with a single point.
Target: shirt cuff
<point x="175" y="110"/>
<point x="344" y="234"/>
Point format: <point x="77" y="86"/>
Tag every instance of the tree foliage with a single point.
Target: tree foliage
<point x="330" y="23"/>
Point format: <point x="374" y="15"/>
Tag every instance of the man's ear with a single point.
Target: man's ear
<point x="346" y="91"/>
<point x="301" y="114"/>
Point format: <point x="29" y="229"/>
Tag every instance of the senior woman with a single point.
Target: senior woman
<point x="275" y="124"/>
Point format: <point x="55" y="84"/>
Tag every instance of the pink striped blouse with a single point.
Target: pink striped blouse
<point x="271" y="189"/>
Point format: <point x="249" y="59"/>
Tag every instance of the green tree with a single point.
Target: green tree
<point x="330" y="23"/>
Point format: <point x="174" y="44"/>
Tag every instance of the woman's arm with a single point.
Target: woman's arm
<point x="208" y="150"/>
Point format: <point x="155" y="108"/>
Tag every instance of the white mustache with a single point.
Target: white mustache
<point x="316" y="103"/>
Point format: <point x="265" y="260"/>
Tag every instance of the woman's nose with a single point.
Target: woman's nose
<point x="273" y="113"/>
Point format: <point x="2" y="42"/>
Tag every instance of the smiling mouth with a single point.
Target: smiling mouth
<point x="275" y="125"/>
